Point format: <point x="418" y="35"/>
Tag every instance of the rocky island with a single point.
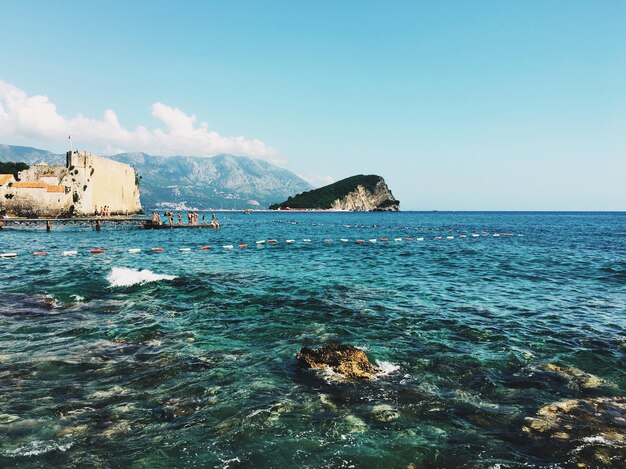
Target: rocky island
<point x="357" y="193"/>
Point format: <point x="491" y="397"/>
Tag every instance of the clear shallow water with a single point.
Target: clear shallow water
<point x="196" y="366"/>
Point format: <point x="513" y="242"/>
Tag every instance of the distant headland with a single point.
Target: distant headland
<point x="357" y="193"/>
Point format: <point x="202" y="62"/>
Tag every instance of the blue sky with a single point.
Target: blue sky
<point x="469" y="105"/>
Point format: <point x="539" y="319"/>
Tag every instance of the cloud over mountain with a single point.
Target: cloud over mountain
<point x="28" y="119"/>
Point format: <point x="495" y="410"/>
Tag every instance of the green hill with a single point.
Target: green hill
<point x="345" y="195"/>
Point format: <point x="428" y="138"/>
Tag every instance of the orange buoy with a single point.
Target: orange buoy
<point x="97" y="251"/>
<point x="205" y="248"/>
<point x="243" y="246"/>
<point x="40" y="253"/>
<point x="157" y="249"/>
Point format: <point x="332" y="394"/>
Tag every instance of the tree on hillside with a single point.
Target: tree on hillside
<point x="12" y="168"/>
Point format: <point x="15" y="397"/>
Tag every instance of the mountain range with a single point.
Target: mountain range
<point x="180" y="182"/>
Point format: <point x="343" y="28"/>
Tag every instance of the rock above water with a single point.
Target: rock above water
<point x="356" y="193"/>
<point x="345" y="359"/>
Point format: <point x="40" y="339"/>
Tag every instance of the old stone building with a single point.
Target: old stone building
<point x="85" y="183"/>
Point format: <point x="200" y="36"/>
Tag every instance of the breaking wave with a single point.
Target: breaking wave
<point x="122" y="277"/>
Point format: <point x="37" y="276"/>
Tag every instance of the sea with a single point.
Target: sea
<point x="186" y="357"/>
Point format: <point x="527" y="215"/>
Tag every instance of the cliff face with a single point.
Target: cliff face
<point x="362" y="199"/>
<point x="356" y="193"/>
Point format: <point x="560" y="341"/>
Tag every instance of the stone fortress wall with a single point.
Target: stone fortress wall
<point x="86" y="182"/>
<point x="100" y="181"/>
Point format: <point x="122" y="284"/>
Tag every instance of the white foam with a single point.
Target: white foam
<point x="122" y="277"/>
<point x="597" y="439"/>
<point x="36" y="448"/>
<point x="386" y="368"/>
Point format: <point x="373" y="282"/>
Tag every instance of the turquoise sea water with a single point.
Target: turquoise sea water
<point x="191" y="363"/>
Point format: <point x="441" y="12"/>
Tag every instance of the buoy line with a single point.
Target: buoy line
<point x="383" y="241"/>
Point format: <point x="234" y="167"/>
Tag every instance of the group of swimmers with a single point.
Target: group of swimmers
<point x="192" y="218"/>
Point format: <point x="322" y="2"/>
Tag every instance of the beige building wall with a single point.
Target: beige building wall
<point x="99" y="181"/>
<point x="37" y="172"/>
<point x="34" y="201"/>
<point x="88" y="181"/>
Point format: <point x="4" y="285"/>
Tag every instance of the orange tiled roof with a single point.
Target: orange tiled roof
<point x="30" y="185"/>
<point x="56" y="189"/>
<point x="48" y="175"/>
<point x="4" y="178"/>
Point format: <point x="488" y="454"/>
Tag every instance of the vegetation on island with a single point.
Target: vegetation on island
<point x="324" y="197"/>
<point x="13" y="168"/>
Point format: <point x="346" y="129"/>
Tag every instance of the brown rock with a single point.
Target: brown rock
<point x="581" y="417"/>
<point x="345" y="359"/>
<point x="599" y="422"/>
<point x="575" y="376"/>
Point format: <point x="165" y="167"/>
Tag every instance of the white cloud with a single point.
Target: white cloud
<point x="34" y="120"/>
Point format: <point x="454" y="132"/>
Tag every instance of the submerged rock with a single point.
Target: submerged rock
<point x="385" y="413"/>
<point x="576" y="376"/>
<point x="598" y="425"/>
<point x="344" y="359"/>
<point x="578" y="418"/>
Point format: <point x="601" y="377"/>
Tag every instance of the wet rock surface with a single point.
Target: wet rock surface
<point x="575" y="376"/>
<point x="596" y="427"/>
<point x="347" y="360"/>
